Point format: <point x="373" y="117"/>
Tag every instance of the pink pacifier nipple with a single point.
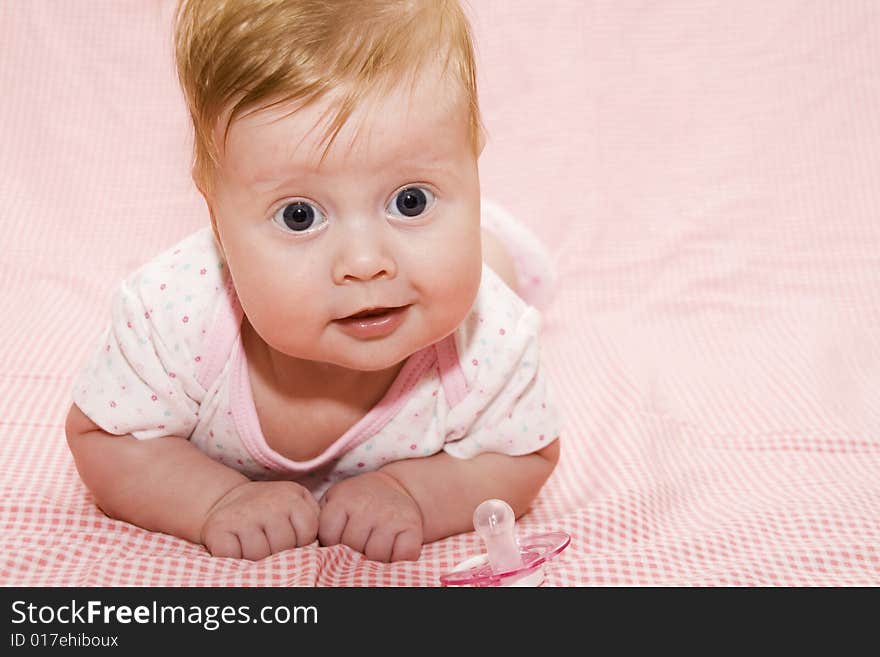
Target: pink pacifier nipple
<point x="508" y="561"/>
<point x="494" y="523"/>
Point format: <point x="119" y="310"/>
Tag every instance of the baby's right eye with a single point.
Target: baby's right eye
<point x="299" y="216"/>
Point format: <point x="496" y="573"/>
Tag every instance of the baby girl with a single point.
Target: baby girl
<point x="345" y="354"/>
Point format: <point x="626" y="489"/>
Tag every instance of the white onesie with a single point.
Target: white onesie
<point x="171" y="363"/>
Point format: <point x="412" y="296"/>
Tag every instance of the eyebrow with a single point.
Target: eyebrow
<point x="267" y="182"/>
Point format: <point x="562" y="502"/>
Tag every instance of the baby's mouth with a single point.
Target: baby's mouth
<point x="373" y="323"/>
<point x="374" y="312"/>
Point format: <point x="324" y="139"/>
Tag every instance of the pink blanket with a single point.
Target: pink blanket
<point x="706" y="174"/>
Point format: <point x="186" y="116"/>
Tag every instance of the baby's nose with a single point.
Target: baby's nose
<point x="363" y="256"/>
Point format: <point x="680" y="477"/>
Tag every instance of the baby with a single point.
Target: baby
<point x="343" y="355"/>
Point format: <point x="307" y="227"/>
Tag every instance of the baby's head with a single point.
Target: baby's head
<point x="336" y="145"/>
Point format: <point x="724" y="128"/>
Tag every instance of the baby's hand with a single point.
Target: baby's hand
<point x="373" y="514"/>
<point x="259" y="518"/>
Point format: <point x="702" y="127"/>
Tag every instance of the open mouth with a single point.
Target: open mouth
<point x="373" y="322"/>
<point x="373" y="312"/>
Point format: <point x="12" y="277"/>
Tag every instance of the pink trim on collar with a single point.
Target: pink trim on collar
<point x="225" y="324"/>
<point x="455" y="385"/>
<point x="247" y="422"/>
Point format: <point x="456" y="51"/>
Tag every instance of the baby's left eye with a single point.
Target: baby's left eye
<point x="410" y="202"/>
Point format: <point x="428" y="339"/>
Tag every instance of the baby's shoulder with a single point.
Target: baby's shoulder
<point x="177" y="291"/>
<point x="499" y="327"/>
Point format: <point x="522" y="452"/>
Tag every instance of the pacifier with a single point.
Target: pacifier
<point x="508" y="561"/>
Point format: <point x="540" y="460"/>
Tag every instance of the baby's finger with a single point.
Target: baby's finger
<point x="304" y="523"/>
<point x="312" y="502"/>
<point x="407" y="546"/>
<point x="281" y="536"/>
<point x="254" y="544"/>
<point x="223" y="544"/>
<point x="380" y="545"/>
<point x="331" y="524"/>
<point x="356" y="533"/>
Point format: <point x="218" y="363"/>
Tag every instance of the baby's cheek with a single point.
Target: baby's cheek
<point x="277" y="310"/>
<point x="458" y="284"/>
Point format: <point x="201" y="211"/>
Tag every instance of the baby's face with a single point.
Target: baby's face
<point x="390" y="218"/>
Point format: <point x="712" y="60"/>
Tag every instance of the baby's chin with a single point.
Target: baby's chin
<point x="373" y="356"/>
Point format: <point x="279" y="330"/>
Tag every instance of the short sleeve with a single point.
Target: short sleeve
<point x="135" y="382"/>
<point x="141" y="376"/>
<point x="509" y="407"/>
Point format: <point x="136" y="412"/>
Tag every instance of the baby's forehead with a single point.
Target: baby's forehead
<point x="405" y="120"/>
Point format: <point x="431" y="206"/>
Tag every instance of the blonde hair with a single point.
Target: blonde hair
<point x="256" y="54"/>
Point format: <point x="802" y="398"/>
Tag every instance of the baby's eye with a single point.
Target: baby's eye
<point x="299" y="216"/>
<point x="411" y="202"/>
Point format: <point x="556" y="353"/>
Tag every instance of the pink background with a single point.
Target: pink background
<point x="706" y="174"/>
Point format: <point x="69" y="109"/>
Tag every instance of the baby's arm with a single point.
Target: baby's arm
<point x="167" y="485"/>
<point x="448" y="489"/>
<point x="164" y="484"/>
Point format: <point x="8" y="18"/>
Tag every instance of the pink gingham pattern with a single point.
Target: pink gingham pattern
<point x="706" y="177"/>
